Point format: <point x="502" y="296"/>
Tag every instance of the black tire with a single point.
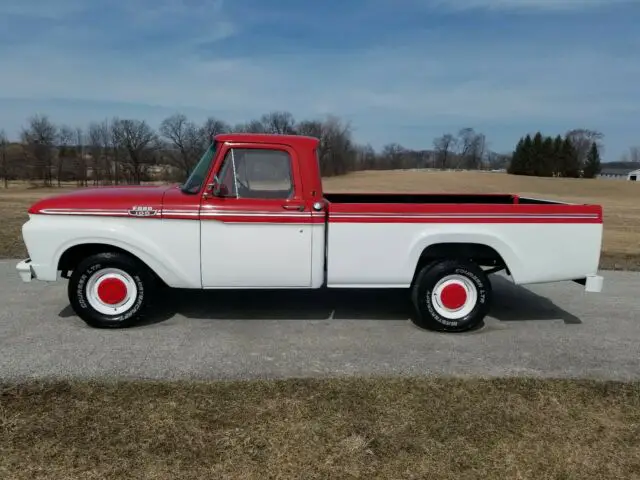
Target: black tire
<point x="133" y="311"/>
<point x="431" y="316"/>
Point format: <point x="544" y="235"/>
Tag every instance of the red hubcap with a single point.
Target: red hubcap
<point x="112" y="291"/>
<point x="453" y="296"/>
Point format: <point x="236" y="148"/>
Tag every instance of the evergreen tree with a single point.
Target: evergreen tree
<point x="547" y="156"/>
<point x="547" y="163"/>
<point x="536" y="155"/>
<point x="592" y="165"/>
<point x="526" y="153"/>
<point x="557" y="156"/>
<point x="515" y="166"/>
<point x="570" y="160"/>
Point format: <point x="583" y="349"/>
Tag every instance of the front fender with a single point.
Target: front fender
<point x="170" y="249"/>
<point x="170" y="272"/>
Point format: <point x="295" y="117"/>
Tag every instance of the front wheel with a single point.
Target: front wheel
<point x="451" y="296"/>
<point x="110" y="290"/>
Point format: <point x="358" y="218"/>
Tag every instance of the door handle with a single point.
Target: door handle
<point x="293" y="207"/>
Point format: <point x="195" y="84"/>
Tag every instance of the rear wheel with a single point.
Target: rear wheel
<point x="111" y="290"/>
<point x="451" y="296"/>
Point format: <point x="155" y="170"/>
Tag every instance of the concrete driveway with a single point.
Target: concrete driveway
<point x="544" y="330"/>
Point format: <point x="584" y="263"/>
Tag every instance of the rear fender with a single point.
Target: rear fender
<point x="427" y="240"/>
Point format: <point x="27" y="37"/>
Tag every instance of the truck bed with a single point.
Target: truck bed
<point x="377" y="239"/>
<point x="438" y="198"/>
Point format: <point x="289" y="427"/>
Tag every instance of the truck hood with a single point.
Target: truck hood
<point x="118" y="200"/>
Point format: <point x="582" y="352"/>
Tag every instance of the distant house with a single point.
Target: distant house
<point x="633" y="176"/>
<point x="618" y="173"/>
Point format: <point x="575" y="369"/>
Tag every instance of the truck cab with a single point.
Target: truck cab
<point x="261" y="212"/>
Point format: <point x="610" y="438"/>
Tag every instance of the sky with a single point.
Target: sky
<point x="403" y="71"/>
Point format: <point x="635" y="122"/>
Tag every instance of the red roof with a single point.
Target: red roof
<point x="301" y="140"/>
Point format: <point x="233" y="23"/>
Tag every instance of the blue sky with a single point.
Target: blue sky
<point x="401" y="71"/>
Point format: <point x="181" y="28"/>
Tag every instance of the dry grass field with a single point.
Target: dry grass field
<point x="620" y="199"/>
<point x="336" y="428"/>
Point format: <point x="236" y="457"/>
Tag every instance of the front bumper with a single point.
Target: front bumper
<point x="25" y="270"/>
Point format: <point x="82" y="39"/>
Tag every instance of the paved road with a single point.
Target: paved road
<point x="546" y="330"/>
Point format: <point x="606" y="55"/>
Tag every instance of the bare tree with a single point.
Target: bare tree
<point x="66" y="150"/>
<point x="109" y="166"/>
<point x="497" y="161"/>
<point x="212" y="127"/>
<point x="279" y="122"/>
<point x="187" y="140"/>
<point x="4" y="158"/>
<point x="39" y="138"/>
<point x="336" y="152"/>
<point x="366" y="158"/>
<point x="100" y="140"/>
<point x="139" y="141"/>
<point x="97" y="152"/>
<point x="471" y="148"/>
<point x="393" y="155"/>
<point x="582" y="139"/>
<point x="252" y="126"/>
<point x="444" y="147"/>
<point x="310" y="128"/>
<point x="81" y="161"/>
<point x="634" y="155"/>
<point x="119" y="151"/>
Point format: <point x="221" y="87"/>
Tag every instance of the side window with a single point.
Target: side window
<point x="257" y="173"/>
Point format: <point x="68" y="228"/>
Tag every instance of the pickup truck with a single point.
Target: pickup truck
<point x="253" y="215"/>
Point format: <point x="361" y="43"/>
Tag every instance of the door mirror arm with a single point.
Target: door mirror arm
<point x="217" y="189"/>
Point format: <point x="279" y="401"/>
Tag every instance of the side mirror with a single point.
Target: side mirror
<point x="219" y="189"/>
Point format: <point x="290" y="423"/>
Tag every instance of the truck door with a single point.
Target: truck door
<point x="256" y="228"/>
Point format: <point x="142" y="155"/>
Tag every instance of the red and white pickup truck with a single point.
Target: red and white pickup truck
<point x="252" y="215"/>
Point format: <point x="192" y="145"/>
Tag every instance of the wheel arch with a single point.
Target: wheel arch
<point x="484" y="253"/>
<point x="73" y="255"/>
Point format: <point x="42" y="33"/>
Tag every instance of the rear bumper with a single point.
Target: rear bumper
<point x="592" y="283"/>
<point x="25" y="270"/>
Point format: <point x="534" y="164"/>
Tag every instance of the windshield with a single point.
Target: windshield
<point x="199" y="173"/>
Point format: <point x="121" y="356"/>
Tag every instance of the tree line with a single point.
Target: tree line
<point x="130" y="151"/>
<point x="577" y="155"/>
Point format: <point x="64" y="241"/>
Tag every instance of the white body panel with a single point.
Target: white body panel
<point x="263" y="255"/>
<point x="170" y="247"/>
<point x="386" y="255"/>
<point x="256" y="255"/>
<point x="233" y="255"/>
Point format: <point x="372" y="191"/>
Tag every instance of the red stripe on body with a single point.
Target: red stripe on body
<point x="367" y="213"/>
<point x="252" y="217"/>
<point x="460" y="219"/>
<point x="463" y="213"/>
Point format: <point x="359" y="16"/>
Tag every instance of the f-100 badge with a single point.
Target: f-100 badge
<point x="142" y="211"/>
